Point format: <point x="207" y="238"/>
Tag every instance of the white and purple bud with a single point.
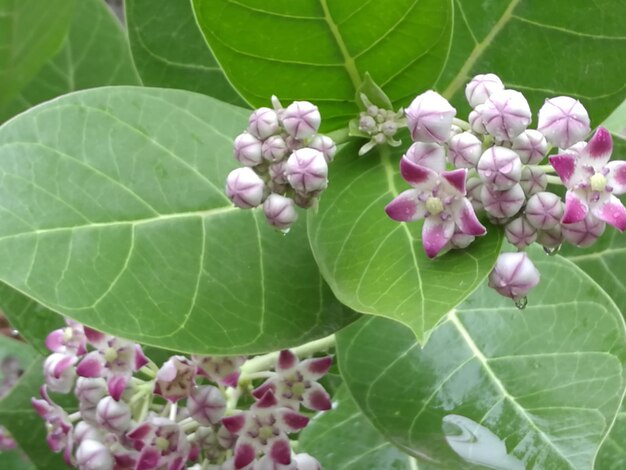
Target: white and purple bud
<point x="500" y="168"/>
<point x="206" y="405"/>
<point x="544" y="210"/>
<point x="248" y="150"/>
<point x="263" y="122"/>
<point x="464" y="150"/>
<point x="90" y="390"/>
<point x="277" y="172"/>
<point x="430" y="155"/>
<point x="531" y="146"/>
<point x="69" y="340"/>
<point x="429" y="117"/>
<point x="502" y="204"/>
<point x="307" y="170"/>
<point x="274" y="148"/>
<point x="520" y="233"/>
<point x="306" y="462"/>
<point x="460" y="240"/>
<point x="506" y="114"/>
<point x="474" y="186"/>
<point x="481" y="87"/>
<point x="324" y="144"/>
<point x="305" y="201"/>
<point x="301" y="119"/>
<point x="367" y="123"/>
<point x="583" y="233"/>
<point x="533" y="180"/>
<point x="245" y="188"/>
<point x="84" y="430"/>
<point x="563" y="121"/>
<point x="59" y="372"/>
<point x="93" y="455"/>
<point x="514" y="275"/>
<point x="175" y="378"/>
<point x="475" y="120"/>
<point x="575" y="150"/>
<point x="551" y="238"/>
<point x="221" y="369"/>
<point x="112" y="415"/>
<point x="280" y="211"/>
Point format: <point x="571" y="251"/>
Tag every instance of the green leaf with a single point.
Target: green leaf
<point x="343" y="438"/>
<point x="113" y="200"/>
<point x="320" y="49"/>
<point x="377" y="266"/>
<point x="31" y="32"/>
<point x="542" y="385"/>
<point x="542" y="48"/>
<point x="616" y="123"/>
<point x="170" y="52"/>
<point x="94" y="53"/>
<point x="612" y="455"/>
<point x="13" y="348"/>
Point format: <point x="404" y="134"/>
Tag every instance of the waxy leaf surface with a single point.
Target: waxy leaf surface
<point x="113" y="213"/>
<point x="508" y="388"/>
<point x="376" y="265"/>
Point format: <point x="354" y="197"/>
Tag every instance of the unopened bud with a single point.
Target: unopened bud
<point x="206" y="405"/>
<point x="247" y="149"/>
<point x="304" y="200"/>
<point x="245" y="188"/>
<point x="575" y="150"/>
<point x="59" y="372"/>
<point x="277" y="173"/>
<point x="114" y="416"/>
<point x="473" y="187"/>
<point x="274" y="148"/>
<point x="324" y="144"/>
<point x="280" y="211"/>
<point x="307" y="170"/>
<point x="263" y="122"/>
<point x="506" y="114"/>
<point x="89" y="391"/>
<point x="481" y="87"/>
<point x="502" y="204"/>
<point x="563" y="120"/>
<point x="475" y="120"/>
<point x="429" y="155"/>
<point x="583" y="233"/>
<point x="544" y="210"/>
<point x="83" y="431"/>
<point x="520" y="233"/>
<point x="551" y="238"/>
<point x="514" y="275"/>
<point x="500" y="167"/>
<point x="430" y="117"/>
<point x="93" y="455"/>
<point x="301" y="119"/>
<point x="533" y="180"/>
<point x="389" y="128"/>
<point x="531" y="146"/>
<point x="367" y="123"/>
<point x="464" y="150"/>
<point x="306" y="462"/>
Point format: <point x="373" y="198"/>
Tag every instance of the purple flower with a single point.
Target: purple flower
<point x="274" y="148"/>
<point x="593" y="182"/>
<point x="161" y="444"/>
<point x="58" y="425"/>
<point x="6" y="441"/>
<point x="513" y="275"/>
<point x="564" y="121"/>
<point x="175" y="378"/>
<point x="430" y="155"/>
<point x="69" y="340"/>
<point x="440" y="200"/>
<point x="533" y="180"/>
<point x="429" y="117"/>
<point x="59" y="372"/>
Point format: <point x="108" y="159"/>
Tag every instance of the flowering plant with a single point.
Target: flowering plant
<point x="243" y="235"/>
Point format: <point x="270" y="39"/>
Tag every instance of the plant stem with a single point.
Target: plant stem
<point x="554" y="180"/>
<point x="461" y="123"/>
<point x="544" y="168"/>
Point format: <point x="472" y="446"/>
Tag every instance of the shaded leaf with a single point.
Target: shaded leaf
<point x="532" y="389"/>
<point x="170" y="52"/>
<point x="113" y="198"/>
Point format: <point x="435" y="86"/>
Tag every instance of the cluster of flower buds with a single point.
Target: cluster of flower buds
<point x="285" y="162"/>
<point x="379" y="125"/>
<point x="10" y="372"/>
<point x="135" y="415"/>
<point x="497" y="164"/>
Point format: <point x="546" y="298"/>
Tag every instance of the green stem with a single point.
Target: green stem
<point x="554" y="180"/>
<point x="461" y="123"/>
<point x="544" y="168"/>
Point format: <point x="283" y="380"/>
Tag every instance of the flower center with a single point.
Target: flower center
<point x="597" y="182"/>
<point x="67" y="334"/>
<point x="161" y="443"/>
<point x="110" y="354"/>
<point x="266" y="432"/>
<point x="434" y="205"/>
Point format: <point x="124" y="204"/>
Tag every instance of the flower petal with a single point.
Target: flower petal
<point x="564" y="166"/>
<point x="116" y="385"/>
<point x="465" y="218"/>
<point x="264" y="387"/>
<point x="456" y="178"/>
<point x="316" y="398"/>
<point x="598" y="149"/>
<point x="286" y="360"/>
<point x="234" y="423"/>
<point x="315" y="368"/>
<point x="435" y="235"/>
<point x="612" y="212"/>
<point x="280" y="451"/>
<point x="617" y="176"/>
<point x="290" y="421"/>
<point x="54" y="341"/>
<point x="268" y="400"/>
<point x="405" y="207"/>
<point x="244" y="454"/>
<point x="575" y="208"/>
<point x="94" y="337"/>
<point x="90" y="365"/>
<point x="414" y="174"/>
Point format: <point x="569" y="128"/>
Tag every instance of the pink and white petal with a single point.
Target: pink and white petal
<point x="456" y="178"/>
<point x="466" y="220"/>
<point x="406" y="207"/>
<point x="576" y="208"/>
<point x="564" y="165"/>
<point x="268" y="400"/>
<point x="140" y="358"/>
<point x="417" y="175"/>
<point x="436" y="234"/>
<point x="95" y="338"/>
<point x="315" y="368"/>
<point x="148" y="459"/>
<point x="54" y="341"/>
<point x="264" y="387"/>
<point x="245" y="453"/>
<point x="116" y="384"/>
<point x="290" y="421"/>
<point x="611" y="211"/>
<point x="90" y="365"/>
<point x="316" y="398"/>
<point x="598" y="150"/>
<point x="230" y="380"/>
<point x="617" y="176"/>
<point x="280" y="451"/>
<point x="140" y="432"/>
<point x="286" y="360"/>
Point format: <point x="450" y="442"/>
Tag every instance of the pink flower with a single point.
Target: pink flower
<point x="223" y="370"/>
<point x="58" y="425"/>
<point x="161" y="444"/>
<point x="175" y="378"/>
<point x="69" y="340"/>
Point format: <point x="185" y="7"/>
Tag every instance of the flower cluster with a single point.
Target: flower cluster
<point x="285" y="162"/>
<point x="494" y="164"/>
<point x="135" y="415"/>
<point x="379" y="125"/>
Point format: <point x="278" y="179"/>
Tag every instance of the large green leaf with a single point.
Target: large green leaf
<point x="542" y="48"/>
<point x="343" y="438"/>
<point x="169" y="50"/>
<point x="537" y="388"/>
<point x="377" y="266"/>
<point x="95" y="53"/>
<point x="31" y="32"/>
<point x="113" y="213"/>
<point x="320" y="49"/>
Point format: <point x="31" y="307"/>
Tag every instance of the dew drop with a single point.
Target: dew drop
<point x="521" y="303"/>
<point x="15" y="333"/>
<point x="552" y="251"/>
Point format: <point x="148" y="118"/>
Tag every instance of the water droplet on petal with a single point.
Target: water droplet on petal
<point x="551" y="251"/>
<point x="521" y="302"/>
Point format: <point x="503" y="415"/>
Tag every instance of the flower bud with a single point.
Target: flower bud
<point x="461" y="240"/>
<point x="247" y="149"/>
<point x="367" y="123"/>
<point x="59" y="372"/>
<point x="563" y="120"/>
<point x="301" y="119"/>
<point x="277" y="172"/>
<point x="499" y="167"/>
<point x="482" y="87"/>
<point x="90" y="390"/>
<point x="475" y="120"/>
<point x="274" y="148"/>
<point x="551" y="238"/>
<point x="583" y="233"/>
<point x="514" y="275"/>
<point x="324" y="144"/>
<point x="175" y="378"/>
<point x="245" y="188"/>
<point x="506" y="114"/>
<point x="83" y="431"/>
<point x="280" y="211"/>
<point x="533" y="180"/>
<point x="431" y="155"/>
<point x="473" y="187"/>
<point x="206" y="405"/>
<point x="464" y="150"/>
<point x="429" y="117"/>
<point x="520" y="233"/>
<point x="263" y="123"/>
<point x="544" y="210"/>
<point x="575" y="150"/>
<point x="93" y="455"/>
<point x="304" y="200"/>
<point x="531" y="146"/>
<point x="307" y="170"/>
<point x="114" y="416"/>
<point x="502" y="204"/>
<point x="306" y="462"/>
